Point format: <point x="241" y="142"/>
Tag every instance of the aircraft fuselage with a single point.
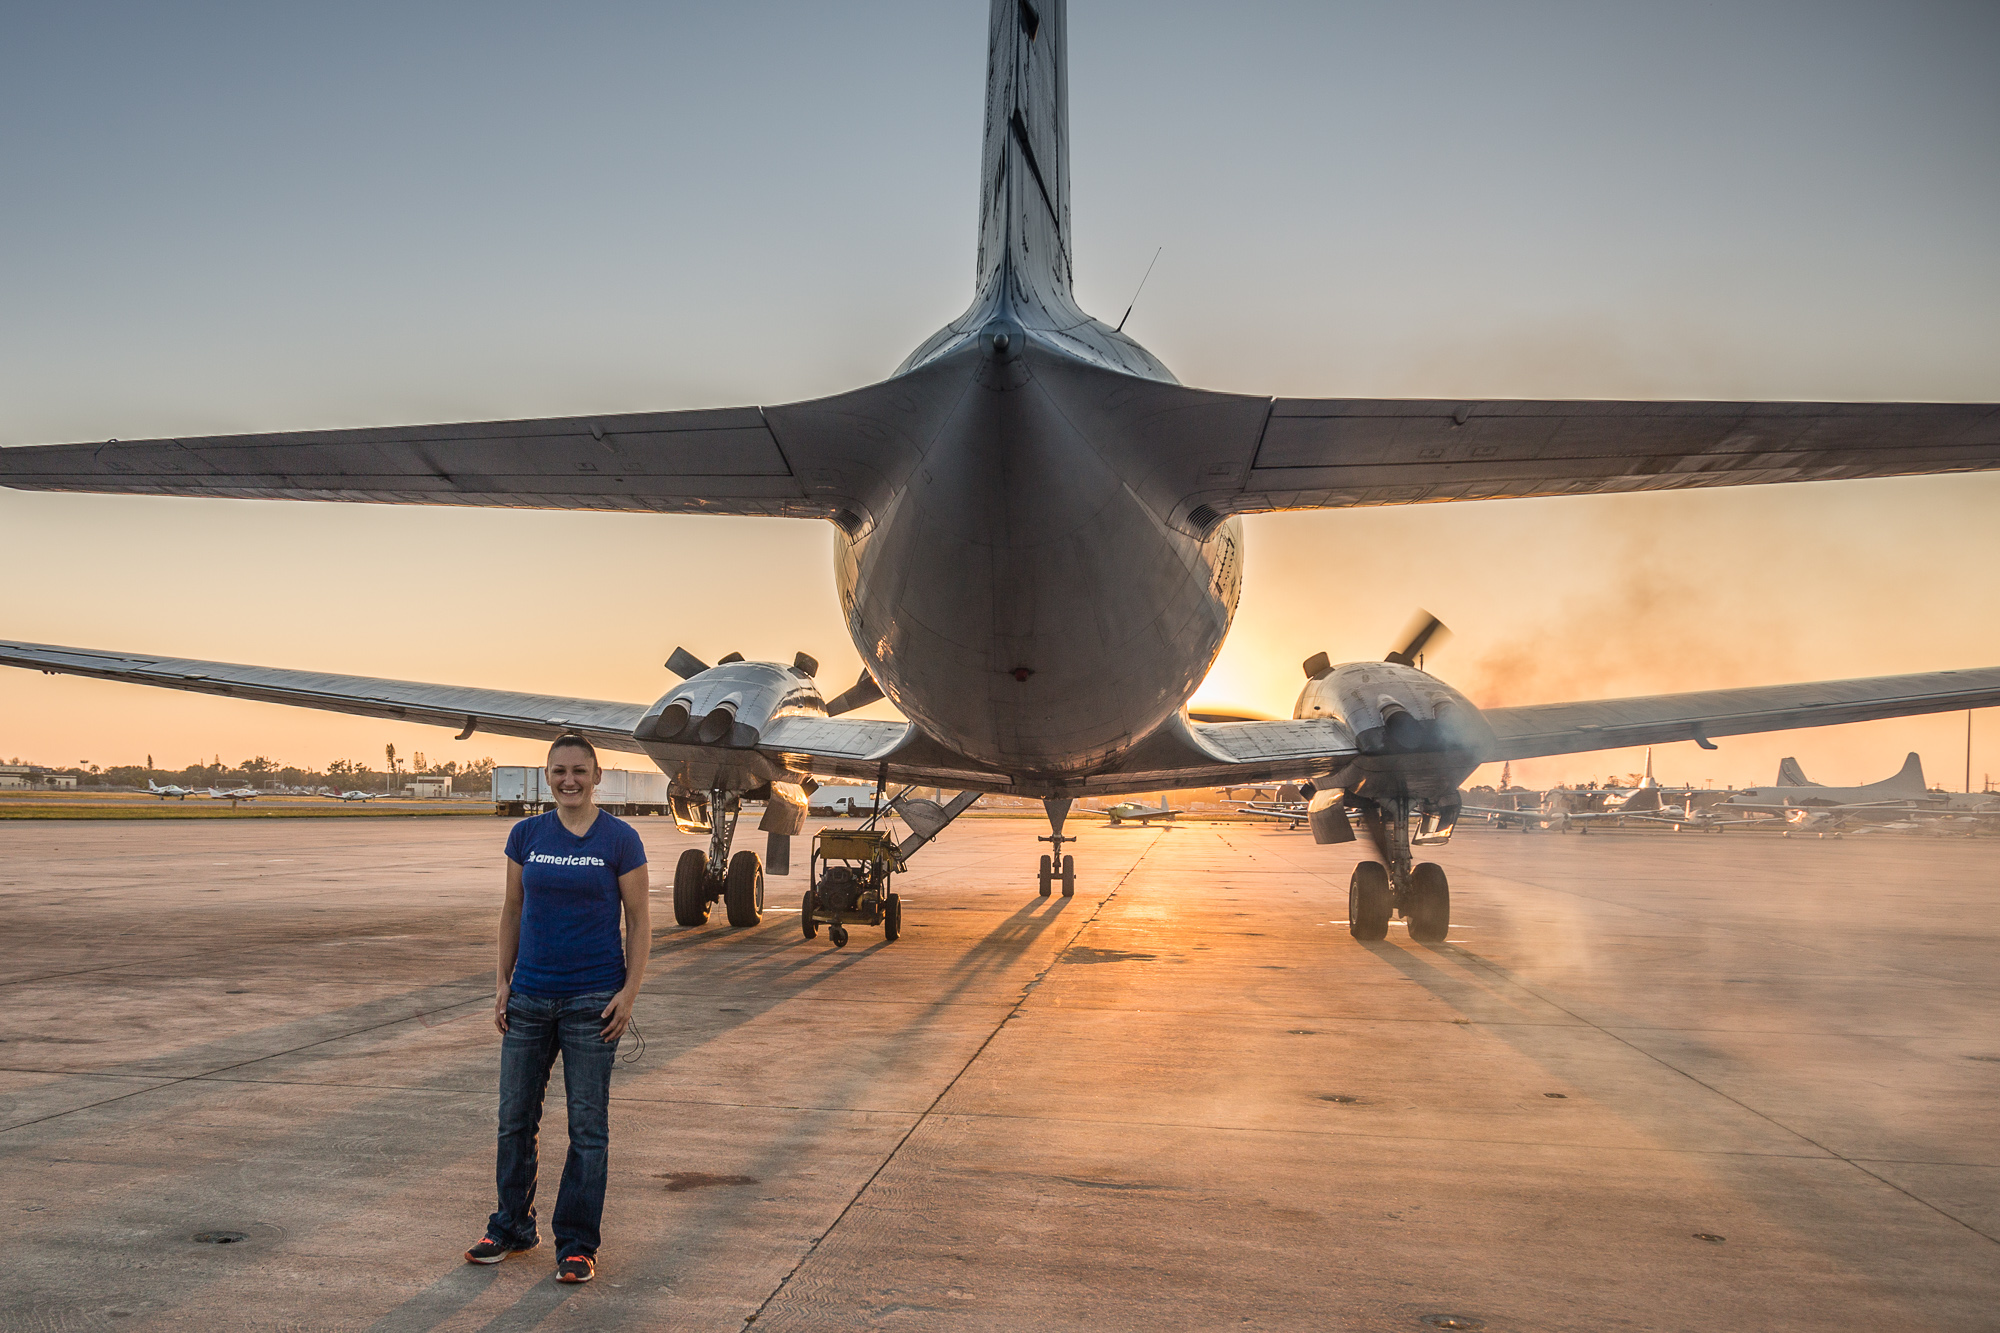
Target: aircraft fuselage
<point x="1016" y="597"/>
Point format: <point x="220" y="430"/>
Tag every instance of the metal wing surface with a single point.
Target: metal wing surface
<point x="828" y="458"/>
<point x="1339" y="453"/>
<point x="502" y="712"/>
<point x="1657" y="719"/>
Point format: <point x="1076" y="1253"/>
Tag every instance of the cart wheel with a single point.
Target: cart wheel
<point x="806" y="909"/>
<point x="892" y="918"/>
<point x="1044" y="881"/>
<point x="838" y="934"/>
<point x="1069" y="877"/>
<point x="691" y="888"/>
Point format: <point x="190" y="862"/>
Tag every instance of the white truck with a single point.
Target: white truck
<point x="519" y="790"/>
<point x="854" y="802"/>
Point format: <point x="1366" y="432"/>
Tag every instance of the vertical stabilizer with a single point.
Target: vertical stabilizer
<point x="1791" y="775"/>
<point x="1024" y="174"/>
<point x="1908" y="782"/>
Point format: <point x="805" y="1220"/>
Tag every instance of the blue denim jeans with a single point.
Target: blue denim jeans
<point x="537" y="1029"/>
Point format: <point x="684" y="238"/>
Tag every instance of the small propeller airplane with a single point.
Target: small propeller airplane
<point x="1132" y="812"/>
<point x="234" y="795"/>
<point x="178" y="793"/>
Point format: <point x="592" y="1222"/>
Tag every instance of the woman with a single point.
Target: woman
<point x="565" y="985"/>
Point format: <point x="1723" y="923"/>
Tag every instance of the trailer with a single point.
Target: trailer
<point x="520" y="790"/>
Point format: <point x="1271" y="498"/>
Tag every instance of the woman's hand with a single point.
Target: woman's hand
<point x="618" y="1013"/>
<point x="500" y="1008"/>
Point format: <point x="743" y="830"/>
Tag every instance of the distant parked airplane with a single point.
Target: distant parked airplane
<point x="356" y="796"/>
<point x="1134" y="812"/>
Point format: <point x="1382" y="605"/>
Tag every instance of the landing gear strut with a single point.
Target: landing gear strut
<point x="1055" y="866"/>
<point x="702" y="878"/>
<point x="1379" y="890"/>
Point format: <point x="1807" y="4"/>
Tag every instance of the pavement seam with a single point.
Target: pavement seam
<point x="929" y="1111"/>
<point x="1510" y="979"/>
<point x="174" y="1080"/>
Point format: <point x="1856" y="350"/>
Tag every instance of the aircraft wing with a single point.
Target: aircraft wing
<point x="1657" y="719"/>
<point x="535" y="716"/>
<point x="824" y="746"/>
<point x="1344" y="452"/>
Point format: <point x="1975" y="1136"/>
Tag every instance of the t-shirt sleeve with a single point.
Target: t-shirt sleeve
<point x="517" y="843"/>
<point x="631" y="851"/>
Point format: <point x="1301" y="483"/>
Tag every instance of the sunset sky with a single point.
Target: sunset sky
<point x="245" y="217"/>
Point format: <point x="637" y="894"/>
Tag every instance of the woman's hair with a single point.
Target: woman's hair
<point x="570" y="738"/>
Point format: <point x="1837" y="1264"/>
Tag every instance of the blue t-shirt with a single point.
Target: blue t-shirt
<point x="570" y="904"/>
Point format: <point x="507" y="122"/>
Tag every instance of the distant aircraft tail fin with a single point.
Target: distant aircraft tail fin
<point x="1791" y="775"/>
<point x="1910" y="781"/>
<point x="1024" y="173"/>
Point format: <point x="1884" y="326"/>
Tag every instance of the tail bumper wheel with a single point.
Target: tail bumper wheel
<point x="1046" y="881"/>
<point x="838" y="934"/>
<point x="743" y="891"/>
<point x="892" y="918"/>
<point x="691" y="888"/>
<point x="1069" y="876"/>
<point x="1368" y="901"/>
<point x="1429" y="907"/>
<point x="806" y="910"/>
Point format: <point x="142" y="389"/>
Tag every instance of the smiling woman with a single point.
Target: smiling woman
<point x="564" y="986"/>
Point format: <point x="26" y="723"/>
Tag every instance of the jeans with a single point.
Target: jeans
<point x="536" y="1030"/>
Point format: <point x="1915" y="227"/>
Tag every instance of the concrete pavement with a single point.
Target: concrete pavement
<point x="1650" y="1082"/>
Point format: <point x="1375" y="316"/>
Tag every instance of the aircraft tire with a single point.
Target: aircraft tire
<point x="806" y="910"/>
<point x="1069" y="876"/>
<point x="743" y="891"/>
<point x="1368" y="901"/>
<point x="892" y="918"/>
<point x="1046" y="880"/>
<point x="691" y="888"/>
<point x="1429" y="909"/>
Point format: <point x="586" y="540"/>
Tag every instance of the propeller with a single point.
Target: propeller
<point x="864" y="692"/>
<point x="1423" y="630"/>
<point x="684" y="664"/>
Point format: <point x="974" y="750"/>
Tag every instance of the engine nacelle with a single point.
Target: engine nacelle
<point x="729" y="706"/>
<point x="1393" y="709"/>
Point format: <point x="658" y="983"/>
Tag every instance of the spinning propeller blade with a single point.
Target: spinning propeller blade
<point x="1424" y="629"/>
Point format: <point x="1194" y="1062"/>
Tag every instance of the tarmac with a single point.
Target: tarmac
<point x="1650" y="1082"/>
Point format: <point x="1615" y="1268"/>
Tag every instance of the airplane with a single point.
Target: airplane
<point x="1293" y="814"/>
<point x="179" y="793"/>
<point x="1132" y="812"/>
<point x="1792" y="792"/>
<point x="234" y="795"/>
<point x="1038" y="551"/>
<point x="356" y="796"/>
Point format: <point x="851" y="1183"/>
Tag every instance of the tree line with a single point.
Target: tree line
<point x="263" y="771"/>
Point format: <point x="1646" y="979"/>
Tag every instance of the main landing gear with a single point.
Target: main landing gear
<point x="1055" y="866"/>
<point x="702" y="878"/>
<point x="1378" y="891"/>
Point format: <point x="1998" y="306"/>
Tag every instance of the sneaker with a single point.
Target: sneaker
<point x="491" y="1251"/>
<point x="576" y="1268"/>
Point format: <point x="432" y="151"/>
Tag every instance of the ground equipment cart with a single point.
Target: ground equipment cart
<point x="850" y="872"/>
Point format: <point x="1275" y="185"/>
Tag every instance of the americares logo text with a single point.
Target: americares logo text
<point x="544" y="859"/>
